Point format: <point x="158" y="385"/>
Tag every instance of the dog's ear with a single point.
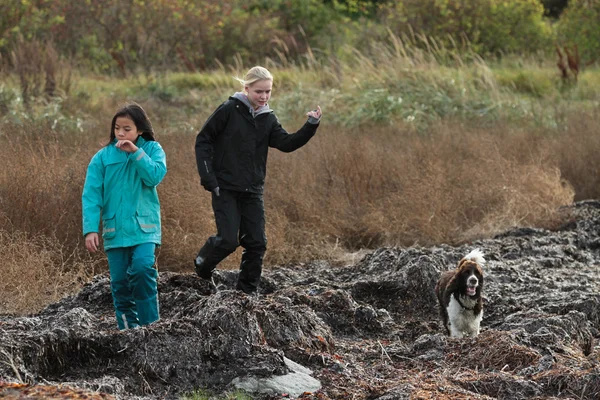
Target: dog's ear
<point x="452" y="282"/>
<point x="461" y="262"/>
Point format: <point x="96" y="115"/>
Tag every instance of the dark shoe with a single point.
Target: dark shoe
<point x="249" y="289"/>
<point x="251" y="293"/>
<point x="201" y="270"/>
<point x="205" y="274"/>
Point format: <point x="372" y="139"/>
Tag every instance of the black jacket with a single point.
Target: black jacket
<point x="232" y="146"/>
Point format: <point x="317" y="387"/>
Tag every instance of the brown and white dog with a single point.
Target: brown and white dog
<point x="459" y="295"/>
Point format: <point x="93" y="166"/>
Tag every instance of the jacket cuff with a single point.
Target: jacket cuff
<point x="209" y="185"/>
<point x="139" y="154"/>
<point x="313" y="120"/>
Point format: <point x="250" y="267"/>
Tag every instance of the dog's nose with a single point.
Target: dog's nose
<point x="473" y="280"/>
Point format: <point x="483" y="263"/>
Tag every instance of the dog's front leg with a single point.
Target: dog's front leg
<point x="456" y="333"/>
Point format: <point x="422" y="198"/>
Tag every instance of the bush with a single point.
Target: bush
<point x="115" y="36"/>
<point x="490" y="26"/>
<point x="537" y="83"/>
<point x="578" y="26"/>
<point x="112" y="36"/>
<point x="7" y="97"/>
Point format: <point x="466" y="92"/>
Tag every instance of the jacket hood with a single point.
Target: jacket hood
<point x="241" y="96"/>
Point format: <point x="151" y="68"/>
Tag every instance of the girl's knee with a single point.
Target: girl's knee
<point x="120" y="290"/>
<point x="142" y="265"/>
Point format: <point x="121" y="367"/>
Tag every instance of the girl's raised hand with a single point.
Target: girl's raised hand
<point x="127" y="146"/>
<point x="92" y="242"/>
<point x="315" y="113"/>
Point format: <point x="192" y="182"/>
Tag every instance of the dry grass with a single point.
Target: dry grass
<point x="40" y="70"/>
<point x="501" y="352"/>
<point x="344" y="192"/>
<point x="381" y="188"/>
<point x="494" y="366"/>
<point x="572" y="382"/>
<point x="37" y="271"/>
<point x="578" y="160"/>
<point x="41" y="190"/>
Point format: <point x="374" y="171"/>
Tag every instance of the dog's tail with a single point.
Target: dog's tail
<point x="476" y="255"/>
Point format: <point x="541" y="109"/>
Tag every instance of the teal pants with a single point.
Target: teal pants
<point x="133" y="283"/>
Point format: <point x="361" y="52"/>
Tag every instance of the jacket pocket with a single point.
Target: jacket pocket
<point x="109" y="226"/>
<point x="147" y="223"/>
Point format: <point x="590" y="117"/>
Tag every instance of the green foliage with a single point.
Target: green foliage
<point x="580" y="25"/>
<point x="127" y="37"/>
<point x="312" y="16"/>
<point x="28" y="19"/>
<point x="490" y="26"/>
<point x="515" y="26"/>
<point x="354" y="8"/>
<point x="7" y="98"/>
<point x="47" y="115"/>
<point x="587" y="87"/>
<point x="92" y="55"/>
<point x="417" y="100"/>
<point x="149" y="35"/>
<point x="186" y="81"/>
<point x="538" y="83"/>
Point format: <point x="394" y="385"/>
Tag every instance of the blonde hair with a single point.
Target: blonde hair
<point x="254" y="75"/>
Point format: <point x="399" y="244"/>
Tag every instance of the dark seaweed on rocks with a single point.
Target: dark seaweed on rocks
<point x="363" y="331"/>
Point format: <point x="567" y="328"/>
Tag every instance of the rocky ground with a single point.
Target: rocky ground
<point x="366" y="331"/>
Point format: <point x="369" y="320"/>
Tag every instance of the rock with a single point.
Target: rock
<point x="294" y="383"/>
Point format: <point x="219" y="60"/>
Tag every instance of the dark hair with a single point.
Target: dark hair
<point x="137" y="114"/>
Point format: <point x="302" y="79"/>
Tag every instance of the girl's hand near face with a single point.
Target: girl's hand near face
<point x="127" y="146"/>
<point x="92" y="242"/>
<point x="315" y="113"/>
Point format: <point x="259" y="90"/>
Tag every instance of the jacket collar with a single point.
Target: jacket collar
<point x="244" y="100"/>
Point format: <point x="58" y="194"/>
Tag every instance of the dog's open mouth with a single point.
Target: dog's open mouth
<point x="471" y="290"/>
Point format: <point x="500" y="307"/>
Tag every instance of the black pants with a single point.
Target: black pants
<point x="240" y="218"/>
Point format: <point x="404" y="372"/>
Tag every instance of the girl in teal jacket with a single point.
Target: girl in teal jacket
<point x="120" y="190"/>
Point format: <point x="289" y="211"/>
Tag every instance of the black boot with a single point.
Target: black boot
<point x="205" y="272"/>
<point x="250" y="271"/>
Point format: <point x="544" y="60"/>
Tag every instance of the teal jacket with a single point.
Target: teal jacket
<point x="120" y="187"/>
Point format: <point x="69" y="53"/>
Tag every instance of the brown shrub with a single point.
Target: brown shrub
<point x="382" y="188"/>
<point x="40" y="69"/>
<point x="36" y="271"/>
<point x="341" y="192"/>
<point x="344" y="191"/>
<point x="576" y="151"/>
<point x="41" y="190"/>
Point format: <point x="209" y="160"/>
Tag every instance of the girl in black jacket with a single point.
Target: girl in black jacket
<point x="231" y="154"/>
